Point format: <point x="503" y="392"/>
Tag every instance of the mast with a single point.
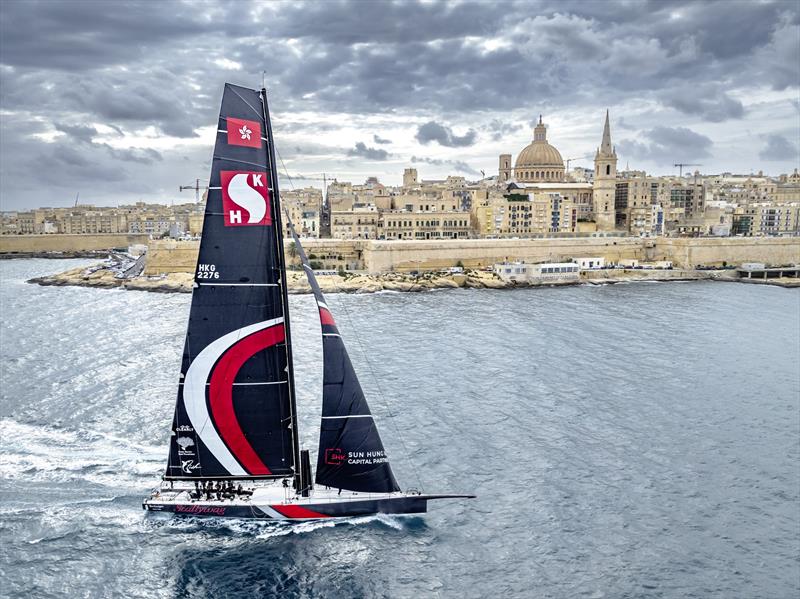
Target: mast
<point x="273" y="179"/>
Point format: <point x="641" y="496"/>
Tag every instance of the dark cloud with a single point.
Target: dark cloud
<point x="82" y="136"/>
<point x="347" y="23"/>
<point x="778" y="148"/>
<point x="458" y="165"/>
<point x="71" y="67"/>
<point x="74" y="35"/>
<point x="706" y="101"/>
<point x="362" y="151"/>
<point x="667" y="145"/>
<point x="433" y="131"/>
<point x="42" y="169"/>
<point x="499" y="129"/>
<point x="78" y="132"/>
<point x="140" y="155"/>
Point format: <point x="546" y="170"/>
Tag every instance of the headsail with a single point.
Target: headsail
<point x="234" y="413"/>
<point x="351" y="455"/>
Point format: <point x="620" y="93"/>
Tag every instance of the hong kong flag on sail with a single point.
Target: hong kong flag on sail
<point x="244" y="133"/>
<point x="245" y="198"/>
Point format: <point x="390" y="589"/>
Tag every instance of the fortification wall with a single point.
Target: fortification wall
<point x="689" y="253"/>
<point x="67" y="243"/>
<point x="168" y="255"/>
<point x="383" y="256"/>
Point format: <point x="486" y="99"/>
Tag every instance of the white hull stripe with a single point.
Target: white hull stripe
<point x="350" y="416"/>
<point x="194" y="393"/>
<point x="238" y="284"/>
<point x="272" y="513"/>
<point x="245" y="384"/>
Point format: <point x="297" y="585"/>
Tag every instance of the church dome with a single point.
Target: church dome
<point x="539" y="161"/>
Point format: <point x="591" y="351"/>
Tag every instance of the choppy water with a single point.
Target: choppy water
<point x="633" y="440"/>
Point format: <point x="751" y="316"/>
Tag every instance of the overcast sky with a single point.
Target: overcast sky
<point x="118" y="100"/>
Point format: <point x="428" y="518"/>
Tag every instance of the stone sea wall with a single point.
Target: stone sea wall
<point x="167" y="256"/>
<point x="39" y="244"/>
<point x="689" y="253"/>
<point x="404" y="256"/>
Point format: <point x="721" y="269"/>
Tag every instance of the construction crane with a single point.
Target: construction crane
<point x="584" y="157"/>
<point x="196" y="188"/>
<point x="307" y="177"/>
<point x="680" y="166"/>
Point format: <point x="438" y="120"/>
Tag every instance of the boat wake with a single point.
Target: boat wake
<point x="267" y="529"/>
<point x="51" y="454"/>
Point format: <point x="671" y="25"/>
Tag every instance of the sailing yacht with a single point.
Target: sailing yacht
<point x="234" y="446"/>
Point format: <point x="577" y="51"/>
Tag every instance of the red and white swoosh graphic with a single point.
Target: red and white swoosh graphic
<point x="225" y="356"/>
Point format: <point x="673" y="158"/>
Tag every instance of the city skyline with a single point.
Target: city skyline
<point x="120" y="106"/>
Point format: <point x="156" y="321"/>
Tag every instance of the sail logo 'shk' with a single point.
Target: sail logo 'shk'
<point x="245" y="198"/>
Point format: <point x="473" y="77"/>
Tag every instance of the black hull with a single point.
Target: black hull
<point x="293" y="512"/>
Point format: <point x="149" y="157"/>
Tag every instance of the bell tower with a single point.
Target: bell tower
<point x="605" y="182"/>
<point x="504" y="170"/>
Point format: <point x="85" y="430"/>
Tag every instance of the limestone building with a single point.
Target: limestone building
<point x="524" y="214"/>
<point x="401" y="224"/>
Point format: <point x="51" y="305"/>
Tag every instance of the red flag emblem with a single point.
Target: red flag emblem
<point x="244" y="133"/>
<point x="245" y="198"/>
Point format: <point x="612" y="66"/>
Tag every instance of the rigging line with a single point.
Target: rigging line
<point x="288" y="176"/>
<point x="258" y="112"/>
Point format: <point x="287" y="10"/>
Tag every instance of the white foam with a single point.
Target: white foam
<point x="45" y="453"/>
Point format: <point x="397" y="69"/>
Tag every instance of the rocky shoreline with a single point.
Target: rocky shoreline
<point x="366" y="283"/>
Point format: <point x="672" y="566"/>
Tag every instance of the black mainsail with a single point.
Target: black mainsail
<point x="234" y="416"/>
<point x="351" y="455"/>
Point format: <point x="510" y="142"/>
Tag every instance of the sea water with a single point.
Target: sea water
<point x="636" y="440"/>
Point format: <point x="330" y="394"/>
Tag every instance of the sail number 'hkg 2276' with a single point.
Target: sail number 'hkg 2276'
<point x="207" y="271"/>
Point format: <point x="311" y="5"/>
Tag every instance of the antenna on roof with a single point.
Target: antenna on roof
<point x="77" y="195"/>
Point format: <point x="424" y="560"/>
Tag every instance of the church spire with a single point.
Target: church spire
<point x="605" y="147"/>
